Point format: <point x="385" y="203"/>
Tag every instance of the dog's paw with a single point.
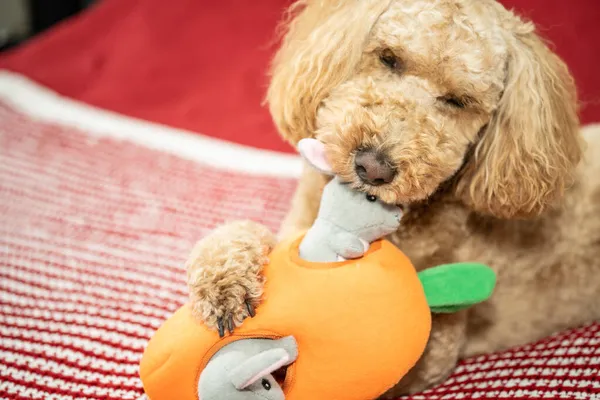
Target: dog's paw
<point x="227" y="305"/>
<point x="224" y="276"/>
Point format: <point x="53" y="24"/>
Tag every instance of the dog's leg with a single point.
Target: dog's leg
<point x="223" y="271"/>
<point x="224" y="268"/>
<point x="447" y="337"/>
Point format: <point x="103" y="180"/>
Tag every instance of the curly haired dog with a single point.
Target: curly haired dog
<point x="458" y="111"/>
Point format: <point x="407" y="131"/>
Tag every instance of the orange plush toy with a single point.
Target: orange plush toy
<point x="345" y="315"/>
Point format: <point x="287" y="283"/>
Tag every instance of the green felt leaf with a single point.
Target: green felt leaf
<point x="452" y="287"/>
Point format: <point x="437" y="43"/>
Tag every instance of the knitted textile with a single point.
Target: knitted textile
<point x="93" y="238"/>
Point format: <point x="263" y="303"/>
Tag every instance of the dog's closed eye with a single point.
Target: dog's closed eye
<point x="453" y="101"/>
<point x="390" y="60"/>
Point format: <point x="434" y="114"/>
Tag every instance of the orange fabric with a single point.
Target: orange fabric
<point x="360" y="326"/>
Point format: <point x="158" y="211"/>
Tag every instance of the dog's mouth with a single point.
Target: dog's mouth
<point x="399" y="193"/>
<point x="384" y="194"/>
<point x="394" y="181"/>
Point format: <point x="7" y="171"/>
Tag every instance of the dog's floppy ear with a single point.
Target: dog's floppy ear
<point x="322" y="45"/>
<point x="528" y="152"/>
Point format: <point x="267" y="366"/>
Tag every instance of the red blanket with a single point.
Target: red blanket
<point x="200" y="65"/>
<point x="95" y="230"/>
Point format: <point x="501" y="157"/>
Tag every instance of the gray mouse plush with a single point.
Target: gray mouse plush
<point x="348" y="220"/>
<point x="242" y="370"/>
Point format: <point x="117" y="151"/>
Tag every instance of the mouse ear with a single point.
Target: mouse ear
<point x="313" y="151"/>
<point x="258" y="367"/>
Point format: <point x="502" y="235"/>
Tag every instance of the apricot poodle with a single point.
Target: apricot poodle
<point x="459" y="112"/>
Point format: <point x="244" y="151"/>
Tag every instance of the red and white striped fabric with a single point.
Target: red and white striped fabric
<point x="94" y="232"/>
<point x="93" y="238"/>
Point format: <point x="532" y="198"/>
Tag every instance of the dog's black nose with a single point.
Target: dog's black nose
<point x="373" y="168"/>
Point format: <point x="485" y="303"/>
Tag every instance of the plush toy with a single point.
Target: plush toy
<point x="344" y="316"/>
<point x="348" y="221"/>
<point x="243" y="370"/>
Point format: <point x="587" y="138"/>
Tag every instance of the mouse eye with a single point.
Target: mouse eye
<point x="266" y="384"/>
<point x="371" y="198"/>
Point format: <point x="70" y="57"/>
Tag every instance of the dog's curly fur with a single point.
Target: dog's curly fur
<point x="479" y="118"/>
<point x="224" y="271"/>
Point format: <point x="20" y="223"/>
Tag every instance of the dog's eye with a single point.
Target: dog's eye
<point x="371" y="198"/>
<point x="453" y="101"/>
<point x="389" y="59"/>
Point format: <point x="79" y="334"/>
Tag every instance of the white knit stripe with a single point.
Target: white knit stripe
<point x="111" y="333"/>
<point x="27" y="289"/>
<point x="70" y="207"/>
<point x="28" y="329"/>
<point x="57" y="305"/>
<point x="469" y="381"/>
<point x="75" y="388"/>
<point x="526" y="372"/>
<point x="34" y="394"/>
<point x="45" y="318"/>
<point x="70" y="325"/>
<point x="541" y="358"/>
<point x="53" y="367"/>
<point x="243" y="196"/>
<point x="51" y="212"/>
<point x="78" y="171"/>
<point x="142" y="269"/>
<point x="40" y="102"/>
<point x="124" y="291"/>
<point x="70" y="268"/>
<point x="68" y="356"/>
<point x="77" y="348"/>
<point x="77" y="143"/>
<point x="84" y="253"/>
<point x="82" y="272"/>
<point x="18" y="184"/>
<point x="498" y="391"/>
<point x="140" y="251"/>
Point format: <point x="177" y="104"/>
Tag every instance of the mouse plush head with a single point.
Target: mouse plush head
<point x="243" y="370"/>
<point x="358" y="213"/>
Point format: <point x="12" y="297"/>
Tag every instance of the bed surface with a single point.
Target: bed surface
<point x="110" y="170"/>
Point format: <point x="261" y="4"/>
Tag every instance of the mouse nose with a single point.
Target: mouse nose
<point x="373" y="167"/>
